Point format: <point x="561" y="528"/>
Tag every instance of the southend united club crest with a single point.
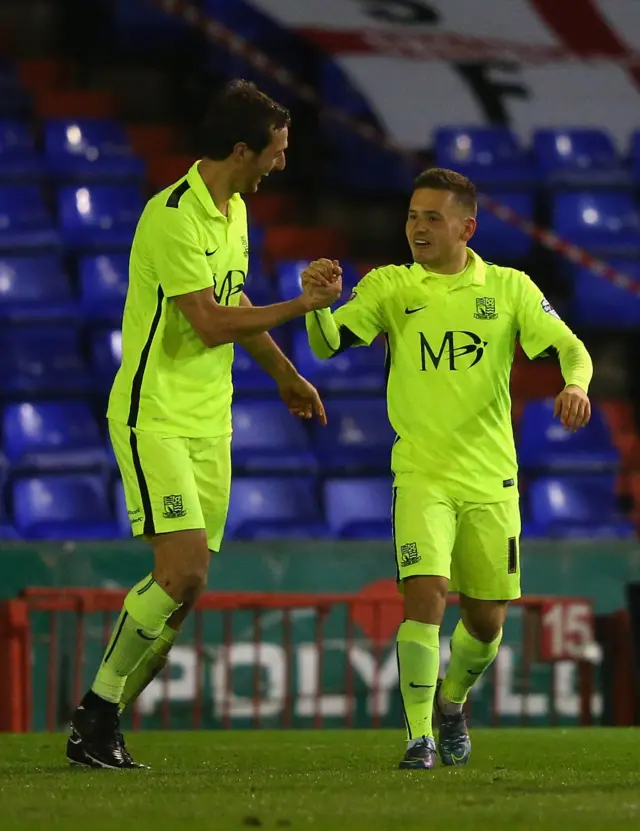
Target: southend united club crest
<point x="173" y="507"/>
<point x="485" y="308"/>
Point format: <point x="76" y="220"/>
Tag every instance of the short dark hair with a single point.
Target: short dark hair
<point x="439" y="178"/>
<point x="241" y="113"/>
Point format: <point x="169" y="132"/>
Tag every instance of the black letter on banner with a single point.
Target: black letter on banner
<point x="401" y="11"/>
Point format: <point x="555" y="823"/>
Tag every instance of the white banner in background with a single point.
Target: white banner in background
<point x="528" y="63"/>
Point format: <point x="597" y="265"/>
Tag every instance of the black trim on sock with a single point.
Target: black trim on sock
<point x="117" y="635"/>
<point x="147" y="586"/>
<point x="404" y="711"/>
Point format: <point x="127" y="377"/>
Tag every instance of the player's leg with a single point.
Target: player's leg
<point x="211" y="463"/>
<point x="163" y="504"/>
<point x="424" y="530"/>
<point x="485" y="570"/>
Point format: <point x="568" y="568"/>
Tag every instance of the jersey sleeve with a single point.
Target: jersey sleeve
<point x="363" y="313"/>
<point x="539" y="324"/>
<point x="178" y="254"/>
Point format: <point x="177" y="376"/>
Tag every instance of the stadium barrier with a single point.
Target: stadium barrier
<point x="253" y="659"/>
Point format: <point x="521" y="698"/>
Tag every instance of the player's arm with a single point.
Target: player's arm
<point x="543" y="332"/>
<point x="357" y="323"/>
<point x="185" y="277"/>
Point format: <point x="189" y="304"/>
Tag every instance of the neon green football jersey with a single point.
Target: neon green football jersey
<point x="169" y="382"/>
<point x="450" y="346"/>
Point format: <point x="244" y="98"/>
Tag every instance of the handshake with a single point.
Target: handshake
<point x="321" y="284"/>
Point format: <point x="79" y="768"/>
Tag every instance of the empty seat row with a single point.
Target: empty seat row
<point x="557" y="157"/>
<point x="56" y="434"/>
<point x="82" y="506"/>
<point x="72" y="149"/>
<point x="37" y="287"/>
<point x="89" y="217"/>
<point x="52" y="359"/>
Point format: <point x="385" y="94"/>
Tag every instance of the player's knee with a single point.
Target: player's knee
<point x="425" y="598"/>
<point x="184" y="586"/>
<point x="483" y="619"/>
<point x="181" y="564"/>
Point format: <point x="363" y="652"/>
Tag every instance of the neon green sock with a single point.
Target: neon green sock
<point x="146" y="610"/>
<point x="469" y="659"/>
<point x="152" y="664"/>
<point x="418" y="650"/>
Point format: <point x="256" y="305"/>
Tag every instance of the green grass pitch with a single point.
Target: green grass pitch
<point x="518" y="779"/>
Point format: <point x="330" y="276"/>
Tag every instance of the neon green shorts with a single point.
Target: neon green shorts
<point x="475" y="545"/>
<point x="173" y="483"/>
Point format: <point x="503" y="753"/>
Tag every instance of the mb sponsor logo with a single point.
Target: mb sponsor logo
<point x="458" y="350"/>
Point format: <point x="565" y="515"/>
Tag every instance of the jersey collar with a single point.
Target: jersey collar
<point x="475" y="275"/>
<point x="196" y="182"/>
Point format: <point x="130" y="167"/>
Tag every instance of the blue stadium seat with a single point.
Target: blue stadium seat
<point x="25" y="222"/>
<point x="122" y="516"/>
<point x="358" y="369"/>
<point x="490" y="156"/>
<point x="358" y="508"/>
<point x="604" y="222"/>
<point x="63" y="507"/>
<point x="258" y="287"/>
<point x="19" y="159"/>
<point x="266" y="507"/>
<point x="52" y="435"/>
<point x="45" y="360"/>
<point x="8" y="532"/>
<point x="266" y="437"/>
<point x="35" y="288"/>
<point x="544" y="444"/>
<point x="495" y="238"/>
<point x="578" y="158"/>
<point x="106" y="355"/>
<point x="599" y="303"/>
<point x="104" y="280"/>
<point x="576" y="506"/>
<point x="90" y="150"/>
<point x="358" y="436"/>
<point x="248" y="375"/>
<point x="99" y="216"/>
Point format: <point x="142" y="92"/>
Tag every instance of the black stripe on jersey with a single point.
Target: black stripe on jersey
<point x="176" y="195"/>
<point x="387" y="359"/>
<point x="136" y="386"/>
<point x="148" y="528"/>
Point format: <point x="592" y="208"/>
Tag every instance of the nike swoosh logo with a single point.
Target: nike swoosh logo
<point x="73" y="740"/>
<point x="413" y="311"/>
<point x="421" y="686"/>
<point x="211" y="253"/>
<point x="471" y="672"/>
<point x="145" y="637"/>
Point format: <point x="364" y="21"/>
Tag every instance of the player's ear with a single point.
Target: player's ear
<point x="240" y="152"/>
<point x="470" y="226"/>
